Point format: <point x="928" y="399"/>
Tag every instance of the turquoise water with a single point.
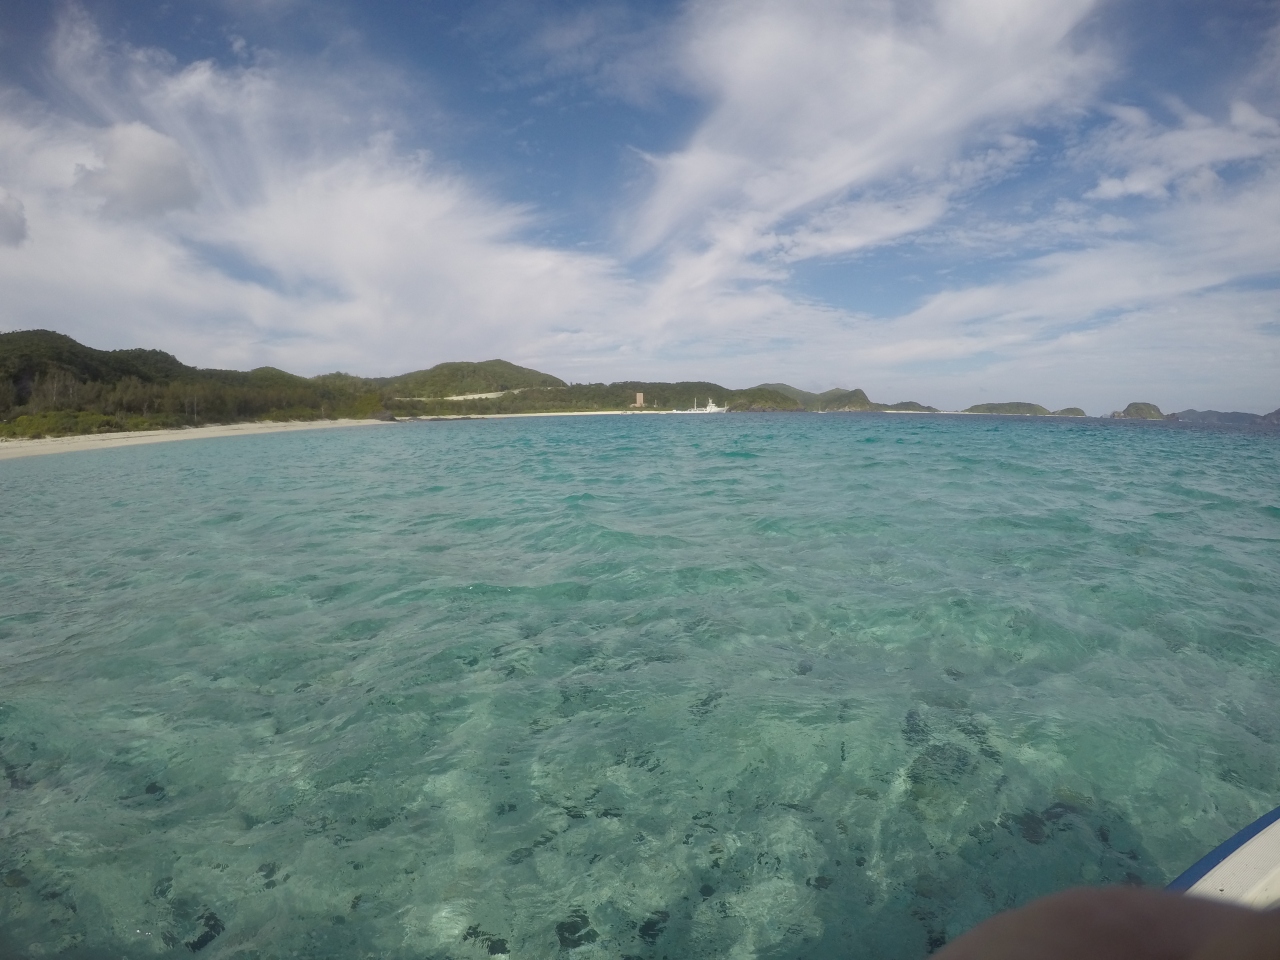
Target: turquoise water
<point x="731" y="687"/>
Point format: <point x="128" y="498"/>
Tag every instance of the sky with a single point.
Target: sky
<point x="1067" y="202"/>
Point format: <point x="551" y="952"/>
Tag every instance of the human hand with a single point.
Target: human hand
<point x="1122" y="923"/>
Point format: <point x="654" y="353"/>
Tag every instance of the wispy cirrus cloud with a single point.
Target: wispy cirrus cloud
<point x="228" y="213"/>
<point x="1152" y="160"/>
<point x="1179" y="303"/>
<point x="814" y="102"/>
<point x="1042" y="234"/>
<point x="835" y="132"/>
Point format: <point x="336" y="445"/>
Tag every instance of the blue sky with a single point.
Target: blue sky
<point x="1072" y="202"/>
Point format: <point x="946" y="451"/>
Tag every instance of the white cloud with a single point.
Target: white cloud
<point x="142" y="173"/>
<point x="1170" y="311"/>
<point x="815" y="101"/>
<point x="1262" y="86"/>
<point x="13" y="220"/>
<point x="1156" y="160"/>
<point x="267" y="213"/>
<point x="611" y="48"/>
<point x="834" y="129"/>
<point x="842" y="228"/>
<point x="302" y="247"/>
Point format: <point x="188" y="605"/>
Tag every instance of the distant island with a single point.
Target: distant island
<point x="1024" y="410"/>
<point x="51" y="385"/>
<point x="1149" y="411"/>
<point x="841" y="401"/>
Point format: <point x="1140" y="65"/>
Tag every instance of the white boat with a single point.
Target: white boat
<point x="1244" y="870"/>
<point x="709" y="408"/>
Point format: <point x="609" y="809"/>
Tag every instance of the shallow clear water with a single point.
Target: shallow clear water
<point x="740" y="686"/>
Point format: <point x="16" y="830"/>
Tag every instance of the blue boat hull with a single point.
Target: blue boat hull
<point x="1243" y="870"/>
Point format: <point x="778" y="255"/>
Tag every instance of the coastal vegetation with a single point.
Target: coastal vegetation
<point x="1141" y="411"/>
<point x="461" y="379"/>
<point x="589" y="397"/>
<point x="809" y="401"/>
<point x="843" y="401"/>
<point x="51" y="385"/>
<point x="1024" y="410"/>
<point x="1235" y="417"/>
<point x="1016" y="409"/>
<point x="1149" y="411"/>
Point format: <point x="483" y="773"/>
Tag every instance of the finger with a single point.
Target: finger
<point x="1116" y="923"/>
<point x="1254" y="938"/>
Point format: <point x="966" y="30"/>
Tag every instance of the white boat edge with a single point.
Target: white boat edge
<point x="1244" y="870"/>
<point x="709" y="408"/>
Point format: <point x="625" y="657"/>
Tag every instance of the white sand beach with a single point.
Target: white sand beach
<point x="552" y="413"/>
<point x="10" y="449"/>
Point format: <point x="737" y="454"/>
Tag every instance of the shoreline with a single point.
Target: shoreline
<point x="548" y="413"/>
<point x="14" y="449"/>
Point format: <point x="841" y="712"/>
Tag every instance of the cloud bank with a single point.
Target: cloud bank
<point x="13" y="221"/>
<point x="1045" y="239"/>
<point x="219" y="213"/>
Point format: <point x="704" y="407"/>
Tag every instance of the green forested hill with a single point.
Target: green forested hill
<point x="50" y="384"/>
<point x="1139" y="411"/>
<point x="604" y="396"/>
<point x="806" y="398"/>
<point x="28" y="354"/>
<point x="1010" y="409"/>
<point x="453" y="379"/>
<point x="458" y="379"/>
<point x="842" y="401"/>
<point x="1025" y="410"/>
<point x="857" y="401"/>
<point x="846" y="400"/>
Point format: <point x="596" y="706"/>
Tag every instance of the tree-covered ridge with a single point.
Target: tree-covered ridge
<point x="28" y="355"/>
<point x="587" y="397"/>
<point x="1022" y="409"/>
<point x="451" y="379"/>
<point x="840" y="400"/>
<point x="1010" y="409"/>
<point x="52" y="385"/>
<point x="1149" y="411"/>
<point x="810" y="401"/>
<point x="459" y="379"/>
<point x="1140" y="411"/>
<point x="1235" y="417"/>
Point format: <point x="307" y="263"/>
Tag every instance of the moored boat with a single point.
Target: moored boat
<point x="1244" y="870"/>
<point x="709" y="408"/>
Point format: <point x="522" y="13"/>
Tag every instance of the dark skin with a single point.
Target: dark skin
<point x="1122" y="923"/>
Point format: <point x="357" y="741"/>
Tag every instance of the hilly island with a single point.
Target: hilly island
<point x="51" y="385"/>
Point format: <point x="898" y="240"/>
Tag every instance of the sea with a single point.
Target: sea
<point x="743" y="686"/>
